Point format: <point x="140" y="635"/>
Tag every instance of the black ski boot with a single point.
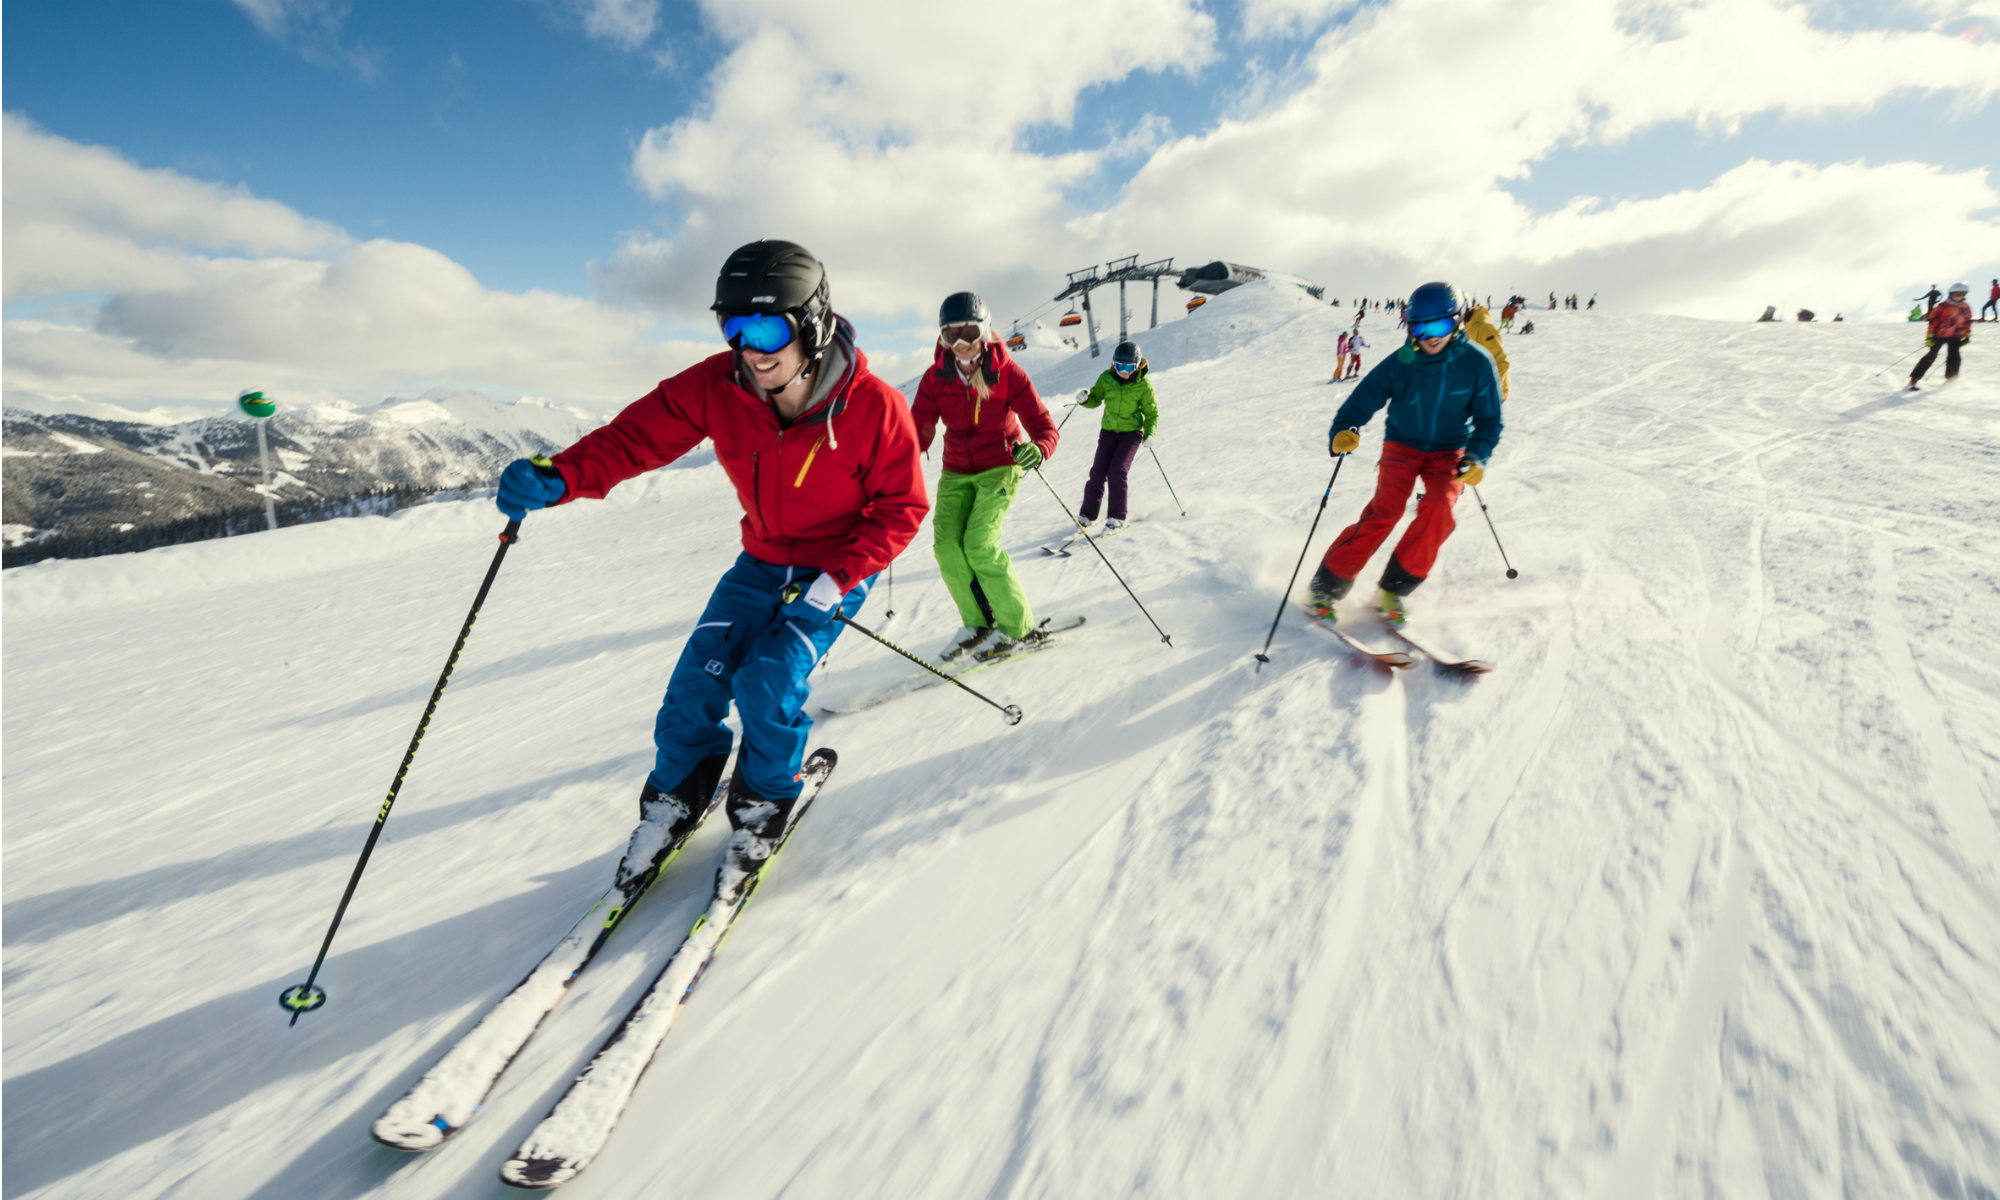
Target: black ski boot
<point x="667" y="819"/>
<point x="1325" y="591"/>
<point x="757" y="828"/>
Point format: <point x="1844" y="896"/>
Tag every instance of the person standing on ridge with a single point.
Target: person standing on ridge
<point x="1951" y="328"/>
<point x="1443" y="395"/>
<point x="1339" y="358"/>
<point x="1929" y="299"/>
<point x="1479" y="327"/>
<point x="823" y="458"/>
<point x="1130" y="417"/>
<point x="985" y="400"/>
<point x="1992" y="304"/>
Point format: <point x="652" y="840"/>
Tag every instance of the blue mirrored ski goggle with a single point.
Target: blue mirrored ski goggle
<point x="1124" y="368"/>
<point x="1436" y="327"/>
<point x="766" y="333"/>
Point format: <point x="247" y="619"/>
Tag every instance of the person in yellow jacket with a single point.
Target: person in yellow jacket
<point x="1479" y="327"/>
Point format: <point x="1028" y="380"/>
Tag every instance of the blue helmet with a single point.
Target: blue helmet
<point x="1431" y="302"/>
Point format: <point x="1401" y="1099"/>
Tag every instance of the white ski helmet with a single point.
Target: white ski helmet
<point x="1958" y="289"/>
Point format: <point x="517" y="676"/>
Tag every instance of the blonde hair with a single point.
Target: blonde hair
<point x="980" y="384"/>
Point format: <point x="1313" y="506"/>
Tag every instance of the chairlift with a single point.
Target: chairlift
<point x="1017" y="341"/>
<point x="1072" y="317"/>
<point x="1197" y="302"/>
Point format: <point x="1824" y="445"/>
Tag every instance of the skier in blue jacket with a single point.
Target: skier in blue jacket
<point x="1443" y="396"/>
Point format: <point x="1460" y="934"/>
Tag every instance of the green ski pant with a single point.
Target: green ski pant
<point x="965" y="521"/>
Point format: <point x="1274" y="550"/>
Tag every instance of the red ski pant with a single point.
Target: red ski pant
<point x="1411" y="562"/>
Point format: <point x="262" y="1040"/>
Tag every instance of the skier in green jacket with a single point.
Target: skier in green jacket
<point x="1130" y="417"/>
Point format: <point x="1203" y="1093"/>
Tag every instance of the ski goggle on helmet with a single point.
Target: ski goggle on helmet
<point x="766" y="333"/>
<point x="1433" y="311"/>
<point x="970" y="333"/>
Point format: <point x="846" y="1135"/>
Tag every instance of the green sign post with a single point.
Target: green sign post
<point x="254" y="404"/>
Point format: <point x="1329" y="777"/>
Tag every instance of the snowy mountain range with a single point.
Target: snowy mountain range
<point x="78" y="485"/>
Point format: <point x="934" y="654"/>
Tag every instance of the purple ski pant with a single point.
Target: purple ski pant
<point x="1115" y="452"/>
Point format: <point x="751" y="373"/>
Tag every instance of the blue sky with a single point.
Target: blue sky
<point x="589" y="161"/>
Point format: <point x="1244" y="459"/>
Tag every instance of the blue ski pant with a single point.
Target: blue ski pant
<point x="743" y="650"/>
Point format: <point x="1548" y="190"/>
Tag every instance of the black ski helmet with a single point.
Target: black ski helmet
<point x="964" y="308"/>
<point x="1127" y="352"/>
<point x="772" y="276"/>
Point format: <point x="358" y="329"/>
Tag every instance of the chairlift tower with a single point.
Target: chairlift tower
<point x="1119" y="271"/>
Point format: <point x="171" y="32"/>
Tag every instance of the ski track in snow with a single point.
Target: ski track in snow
<point x="1697" y="895"/>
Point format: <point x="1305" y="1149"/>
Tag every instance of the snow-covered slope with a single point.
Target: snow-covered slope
<point x="1697" y="894"/>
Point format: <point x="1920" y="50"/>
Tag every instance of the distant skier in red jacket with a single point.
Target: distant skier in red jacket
<point x="824" y="461"/>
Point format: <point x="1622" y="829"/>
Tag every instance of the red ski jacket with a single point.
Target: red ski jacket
<point x="1951" y="320"/>
<point x="840" y="489"/>
<point x="979" y="435"/>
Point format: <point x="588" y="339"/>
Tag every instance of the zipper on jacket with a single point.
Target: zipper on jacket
<point x="757" y="487"/>
<point x="810" y="454"/>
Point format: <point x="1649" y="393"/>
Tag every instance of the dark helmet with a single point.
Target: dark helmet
<point x="1431" y="302"/>
<point x="1127" y="353"/>
<point x="963" y="308"/>
<point x="771" y="276"/>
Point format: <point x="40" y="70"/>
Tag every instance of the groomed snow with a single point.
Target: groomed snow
<point x="1697" y="894"/>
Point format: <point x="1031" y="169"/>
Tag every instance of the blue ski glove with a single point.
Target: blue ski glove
<point x="1028" y="455"/>
<point x="812" y="607"/>
<point x="528" y="484"/>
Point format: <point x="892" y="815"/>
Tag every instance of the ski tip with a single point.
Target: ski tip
<point x="1466" y="669"/>
<point x="538" y="1174"/>
<point x="410" y="1139"/>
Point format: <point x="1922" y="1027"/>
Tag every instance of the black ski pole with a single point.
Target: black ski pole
<point x="307" y="996"/>
<point x="1163" y="477"/>
<point x="1885" y="370"/>
<point x="1100" y="553"/>
<point x="1011" y="711"/>
<point x="1073" y="404"/>
<point x="1264" y="655"/>
<point x="891" y="614"/>
<point x="1511" y="572"/>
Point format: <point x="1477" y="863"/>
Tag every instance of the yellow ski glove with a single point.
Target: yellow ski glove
<point x="1347" y="441"/>
<point x="1471" y="472"/>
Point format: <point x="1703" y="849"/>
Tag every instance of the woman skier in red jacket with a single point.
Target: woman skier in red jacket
<point x="985" y="400"/>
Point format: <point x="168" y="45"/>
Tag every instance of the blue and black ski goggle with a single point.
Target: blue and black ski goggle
<point x="1436" y="327"/>
<point x="766" y="333"/>
<point x="1124" y="368"/>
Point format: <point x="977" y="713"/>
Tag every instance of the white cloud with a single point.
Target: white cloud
<point x="889" y="144"/>
<point x="1392" y="162"/>
<point x="314" y="28"/>
<point x="205" y="287"/>
<point x="626" y="23"/>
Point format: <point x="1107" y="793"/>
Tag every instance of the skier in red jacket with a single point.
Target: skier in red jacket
<point x="824" y="460"/>
<point x="1949" y="328"/>
<point x="995" y="427"/>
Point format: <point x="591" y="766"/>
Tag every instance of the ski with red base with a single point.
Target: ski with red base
<point x="1396" y="660"/>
